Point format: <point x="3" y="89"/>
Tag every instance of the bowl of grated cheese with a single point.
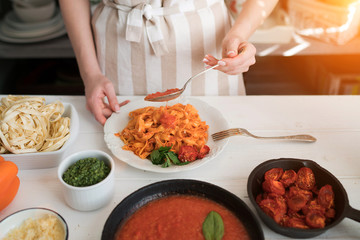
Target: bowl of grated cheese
<point x="34" y="223"/>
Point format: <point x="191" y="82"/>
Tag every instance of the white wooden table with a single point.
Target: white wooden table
<point x="333" y="120"/>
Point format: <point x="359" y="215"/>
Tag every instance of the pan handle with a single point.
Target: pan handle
<point x="353" y="213"/>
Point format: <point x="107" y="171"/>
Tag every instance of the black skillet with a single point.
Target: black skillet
<point x="181" y="186"/>
<point x="322" y="177"/>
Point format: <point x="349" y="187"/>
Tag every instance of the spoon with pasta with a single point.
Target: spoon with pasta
<point x="171" y="94"/>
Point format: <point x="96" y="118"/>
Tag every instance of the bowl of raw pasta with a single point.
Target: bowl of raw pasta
<point x="35" y="133"/>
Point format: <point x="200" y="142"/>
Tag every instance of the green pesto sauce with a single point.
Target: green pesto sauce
<point x="86" y="172"/>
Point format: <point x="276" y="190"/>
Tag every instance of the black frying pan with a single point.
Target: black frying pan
<point x="322" y="176"/>
<point x="181" y="186"/>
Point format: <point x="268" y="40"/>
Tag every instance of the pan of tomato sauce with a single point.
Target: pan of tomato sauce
<point x="177" y="209"/>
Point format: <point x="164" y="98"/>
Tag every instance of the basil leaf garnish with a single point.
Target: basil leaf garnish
<point x="167" y="162"/>
<point x="164" y="149"/>
<point x="213" y="226"/>
<point x="174" y="159"/>
<point x="164" y="157"/>
<point x="182" y="163"/>
<point x="156" y="157"/>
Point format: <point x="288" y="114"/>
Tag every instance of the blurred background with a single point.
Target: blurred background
<point x="306" y="47"/>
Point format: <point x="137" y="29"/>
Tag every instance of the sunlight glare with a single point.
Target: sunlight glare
<point x="302" y="44"/>
<point x="269" y="50"/>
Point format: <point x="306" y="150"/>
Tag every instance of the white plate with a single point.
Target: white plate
<point x="31" y="33"/>
<point x="53" y="35"/>
<point x="48" y="159"/>
<point x="12" y="20"/>
<point x="118" y="121"/>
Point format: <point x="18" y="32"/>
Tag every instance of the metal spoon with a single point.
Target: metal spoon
<point x="176" y="94"/>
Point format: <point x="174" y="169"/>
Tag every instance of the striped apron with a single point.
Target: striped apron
<point x="146" y="46"/>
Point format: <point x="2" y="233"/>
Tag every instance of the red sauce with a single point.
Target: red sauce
<point x="159" y="94"/>
<point x="168" y="120"/>
<point x="178" y="217"/>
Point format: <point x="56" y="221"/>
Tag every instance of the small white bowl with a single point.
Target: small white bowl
<point x="38" y="12"/>
<point x="16" y="219"/>
<point x="91" y="197"/>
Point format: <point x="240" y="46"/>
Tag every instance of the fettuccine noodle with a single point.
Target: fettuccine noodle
<point x="29" y="125"/>
<point x="150" y="128"/>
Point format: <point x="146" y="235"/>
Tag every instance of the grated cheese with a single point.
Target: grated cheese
<point x="47" y="227"/>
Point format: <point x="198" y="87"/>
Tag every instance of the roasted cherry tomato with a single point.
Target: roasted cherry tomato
<point x="295" y="222"/>
<point x="288" y="178"/>
<point x="326" y="196"/>
<point x="272" y="208"/>
<point x="294" y="214"/>
<point x="330" y="213"/>
<point x="313" y="206"/>
<point x="259" y="197"/>
<point x="272" y="186"/>
<point x="305" y="179"/>
<point x="292" y="199"/>
<point x="187" y="153"/>
<point x="315" y="219"/>
<point x="281" y="201"/>
<point x="274" y="174"/>
<point x="293" y="191"/>
<point x="297" y="202"/>
<point x="203" y="151"/>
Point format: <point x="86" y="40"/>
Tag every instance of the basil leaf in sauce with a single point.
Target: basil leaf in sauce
<point x="213" y="226"/>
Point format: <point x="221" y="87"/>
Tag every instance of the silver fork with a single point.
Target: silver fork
<point x="241" y="131"/>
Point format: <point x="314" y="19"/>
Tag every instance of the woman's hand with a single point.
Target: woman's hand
<point x="96" y="90"/>
<point x="77" y="17"/>
<point x="237" y="56"/>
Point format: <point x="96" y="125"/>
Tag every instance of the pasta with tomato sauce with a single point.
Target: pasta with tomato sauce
<point x="150" y="128"/>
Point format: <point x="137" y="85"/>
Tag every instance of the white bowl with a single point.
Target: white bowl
<point x="91" y="197"/>
<point x="14" y="22"/>
<point x="16" y="219"/>
<point x="38" y="12"/>
<point x="52" y="159"/>
<point x="31" y="33"/>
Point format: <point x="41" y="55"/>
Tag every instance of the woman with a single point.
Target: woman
<point x="136" y="47"/>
